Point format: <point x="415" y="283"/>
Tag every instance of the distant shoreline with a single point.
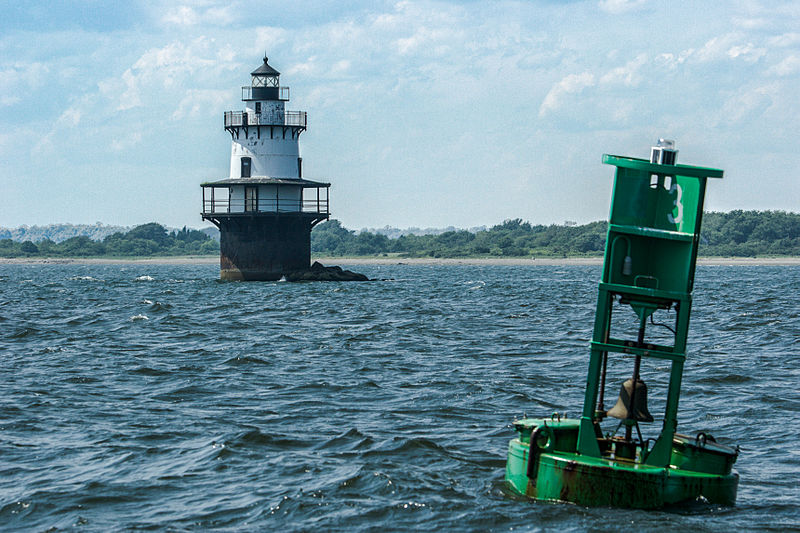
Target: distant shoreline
<point x="433" y="261"/>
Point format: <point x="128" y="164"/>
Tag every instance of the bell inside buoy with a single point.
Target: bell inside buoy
<point x="622" y="410"/>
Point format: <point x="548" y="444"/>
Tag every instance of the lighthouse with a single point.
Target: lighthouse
<point x="265" y="209"/>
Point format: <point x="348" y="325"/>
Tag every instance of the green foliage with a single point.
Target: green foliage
<point x="331" y="236"/>
<point x="738" y="233"/>
<point x="149" y="232"/>
<point x="750" y="233"/>
<point x="512" y="238"/>
<point x="28" y="247"/>
<point x="142" y="241"/>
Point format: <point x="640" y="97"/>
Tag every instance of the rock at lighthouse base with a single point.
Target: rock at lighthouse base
<point x="319" y="272"/>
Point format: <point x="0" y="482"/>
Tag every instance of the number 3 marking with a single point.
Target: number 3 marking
<point x="679" y="218"/>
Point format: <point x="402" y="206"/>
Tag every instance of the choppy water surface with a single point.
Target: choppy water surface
<point x="156" y="397"/>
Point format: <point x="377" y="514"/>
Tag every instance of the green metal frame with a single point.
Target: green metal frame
<point x="649" y="263"/>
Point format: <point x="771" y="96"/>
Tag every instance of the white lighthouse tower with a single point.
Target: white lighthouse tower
<point x="265" y="210"/>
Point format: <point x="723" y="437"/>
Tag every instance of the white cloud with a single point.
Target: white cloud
<point x="621" y="6"/>
<point x="7" y="100"/>
<point x="340" y="67"/>
<point x="201" y="102"/>
<point x="130" y="97"/>
<point x="751" y="23"/>
<point x="175" y="55"/>
<point x="784" y="40"/>
<point x="175" y="80"/>
<point x="181" y="16"/>
<point x="127" y="142"/>
<point x="626" y="75"/>
<point x="269" y="38"/>
<point x="747" y="52"/>
<point x="485" y="68"/>
<point x="221" y="15"/>
<point x="19" y="77"/>
<point x="70" y="117"/>
<point x="714" y="49"/>
<point x="572" y="84"/>
<point x="672" y="61"/>
<point x="790" y="65"/>
<point x="424" y="39"/>
<point x="748" y="105"/>
<point x="159" y="74"/>
<point x="305" y="68"/>
<point x="729" y="46"/>
<point x="186" y="16"/>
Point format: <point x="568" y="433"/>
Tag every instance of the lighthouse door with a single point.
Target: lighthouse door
<point x="245" y="170"/>
<point x="251" y="199"/>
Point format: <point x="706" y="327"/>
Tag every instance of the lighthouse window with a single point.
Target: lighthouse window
<point x="245" y="167"/>
<point x="251" y="199"/>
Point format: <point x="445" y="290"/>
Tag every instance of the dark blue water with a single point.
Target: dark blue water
<point x="155" y="397"/>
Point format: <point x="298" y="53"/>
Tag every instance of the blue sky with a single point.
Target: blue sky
<point x="421" y="113"/>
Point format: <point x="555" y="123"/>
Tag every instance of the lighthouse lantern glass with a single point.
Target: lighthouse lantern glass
<point x="261" y="80"/>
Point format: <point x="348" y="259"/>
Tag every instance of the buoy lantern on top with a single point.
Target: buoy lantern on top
<point x="264" y="209"/>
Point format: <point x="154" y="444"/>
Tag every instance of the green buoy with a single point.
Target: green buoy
<point x="648" y="268"/>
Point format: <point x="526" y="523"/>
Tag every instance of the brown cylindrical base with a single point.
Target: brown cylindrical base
<point x="263" y="248"/>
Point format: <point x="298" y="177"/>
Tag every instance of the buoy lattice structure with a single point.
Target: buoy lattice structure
<point x="265" y="209"/>
<point x="648" y="268"/>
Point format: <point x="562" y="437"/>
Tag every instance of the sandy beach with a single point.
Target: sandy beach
<point x="355" y="261"/>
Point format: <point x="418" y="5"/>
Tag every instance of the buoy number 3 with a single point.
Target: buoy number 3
<point x="678" y="191"/>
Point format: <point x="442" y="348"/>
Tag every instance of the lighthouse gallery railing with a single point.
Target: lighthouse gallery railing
<point x="262" y="205"/>
<point x="287" y="118"/>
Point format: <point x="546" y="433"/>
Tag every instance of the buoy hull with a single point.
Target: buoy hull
<point x="558" y="474"/>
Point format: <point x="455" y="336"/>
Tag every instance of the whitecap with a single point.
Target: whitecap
<point x="139" y="317"/>
<point x="145" y="278"/>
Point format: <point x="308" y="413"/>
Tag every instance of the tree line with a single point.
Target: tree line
<point x="737" y="233"/>
<point x="734" y="234"/>
<point x="147" y="240"/>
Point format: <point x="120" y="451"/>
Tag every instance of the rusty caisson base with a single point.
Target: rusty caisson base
<point x="554" y="471"/>
<point x="263" y="248"/>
